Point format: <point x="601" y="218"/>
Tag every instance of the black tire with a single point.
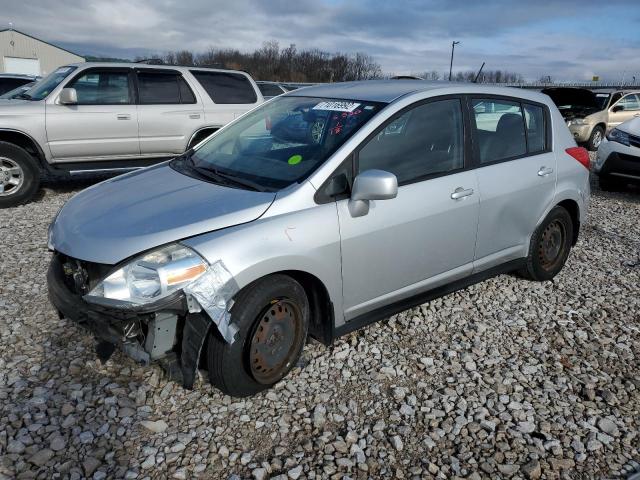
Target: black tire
<point x="550" y="246"/>
<point x="240" y="369"/>
<point x="12" y="156"/>
<point x="609" y="184"/>
<point x="595" y="139"/>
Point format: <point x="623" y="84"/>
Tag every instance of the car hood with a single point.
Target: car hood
<point x="573" y="102"/>
<point x="632" y="127"/>
<point x="126" y="215"/>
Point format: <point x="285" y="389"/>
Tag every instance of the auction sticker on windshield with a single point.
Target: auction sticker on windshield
<point x="337" y="106"/>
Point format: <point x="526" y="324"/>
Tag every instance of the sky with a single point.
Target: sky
<point x="569" y="40"/>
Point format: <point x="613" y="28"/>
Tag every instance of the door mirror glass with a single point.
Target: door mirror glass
<point x="375" y="185"/>
<point x="68" y="96"/>
<point x="617" y="108"/>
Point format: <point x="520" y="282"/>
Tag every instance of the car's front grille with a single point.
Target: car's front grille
<point x="79" y="276"/>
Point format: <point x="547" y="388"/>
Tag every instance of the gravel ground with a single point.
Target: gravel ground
<point x="506" y="379"/>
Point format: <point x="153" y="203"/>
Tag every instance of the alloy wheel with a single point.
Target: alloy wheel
<point x="11" y="177"/>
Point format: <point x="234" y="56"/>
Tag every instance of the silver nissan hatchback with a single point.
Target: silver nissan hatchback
<point x="315" y="214"/>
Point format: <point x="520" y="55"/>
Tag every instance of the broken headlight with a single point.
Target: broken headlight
<point x="151" y="276"/>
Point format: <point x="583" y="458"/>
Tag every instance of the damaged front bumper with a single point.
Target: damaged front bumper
<point x="166" y="331"/>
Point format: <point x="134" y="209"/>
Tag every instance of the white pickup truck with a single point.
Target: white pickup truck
<point x="112" y="117"/>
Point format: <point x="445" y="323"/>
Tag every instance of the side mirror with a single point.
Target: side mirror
<point x="371" y="185"/>
<point x="68" y="96"/>
<point x="617" y="108"/>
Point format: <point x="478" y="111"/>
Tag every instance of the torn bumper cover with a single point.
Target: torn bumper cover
<point x="171" y="331"/>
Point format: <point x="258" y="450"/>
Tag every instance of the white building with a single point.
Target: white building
<point x="22" y="53"/>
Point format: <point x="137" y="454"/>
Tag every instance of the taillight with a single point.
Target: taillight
<point x="580" y="154"/>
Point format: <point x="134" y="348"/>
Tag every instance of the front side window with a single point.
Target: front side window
<point x="279" y="143"/>
<point x="44" y="87"/>
<point x="499" y="129"/>
<point x="424" y="141"/>
<point x="270" y="89"/>
<point x="226" y="87"/>
<point x="163" y="88"/>
<point x="102" y="88"/>
<point x="629" y="102"/>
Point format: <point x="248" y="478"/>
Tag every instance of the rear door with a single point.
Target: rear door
<point x="168" y="112"/>
<point x="516" y="171"/>
<point x="228" y="95"/>
<point x="104" y="122"/>
<point x="424" y="237"/>
<point x="627" y="108"/>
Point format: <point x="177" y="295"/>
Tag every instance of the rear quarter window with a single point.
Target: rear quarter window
<point x="226" y="87"/>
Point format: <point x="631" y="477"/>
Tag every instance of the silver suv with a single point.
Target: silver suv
<point x="317" y="213"/>
<point x="112" y="117"/>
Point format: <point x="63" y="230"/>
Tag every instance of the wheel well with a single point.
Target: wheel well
<point x="201" y="135"/>
<point x="23" y="141"/>
<point x="603" y="125"/>
<point x="321" y="325"/>
<point x="574" y="212"/>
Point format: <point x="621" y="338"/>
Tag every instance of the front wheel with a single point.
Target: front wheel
<point x="550" y="246"/>
<point x="19" y="175"/>
<point x="595" y="139"/>
<point x="272" y="315"/>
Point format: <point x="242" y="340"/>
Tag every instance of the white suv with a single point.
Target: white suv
<point x="112" y="117"/>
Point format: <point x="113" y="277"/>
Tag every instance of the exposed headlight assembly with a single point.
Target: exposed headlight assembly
<point x="619" y="136"/>
<point x="577" y="121"/>
<point x="151" y="277"/>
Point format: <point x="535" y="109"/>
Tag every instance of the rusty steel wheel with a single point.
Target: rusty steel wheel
<point x="276" y="341"/>
<point x="550" y="248"/>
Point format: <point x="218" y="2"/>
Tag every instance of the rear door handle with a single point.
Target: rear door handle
<point x="194" y="115"/>
<point x="544" y="171"/>
<point x="124" y="116"/>
<point x="461" y="193"/>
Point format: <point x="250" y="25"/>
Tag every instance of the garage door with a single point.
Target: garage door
<point x="26" y="66"/>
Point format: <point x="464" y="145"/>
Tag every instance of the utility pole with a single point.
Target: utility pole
<point x="453" y="47"/>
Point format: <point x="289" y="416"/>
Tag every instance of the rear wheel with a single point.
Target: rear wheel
<point x="19" y="175"/>
<point x="272" y="315"/>
<point x="595" y="139"/>
<point x="550" y="246"/>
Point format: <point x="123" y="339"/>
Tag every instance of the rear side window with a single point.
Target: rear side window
<point x="163" y="88"/>
<point x="102" y="88"/>
<point x="226" y="87"/>
<point x="499" y="129"/>
<point x="424" y="141"/>
<point x="269" y="89"/>
<point x="536" y="131"/>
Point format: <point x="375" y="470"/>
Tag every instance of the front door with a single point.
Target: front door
<point x="103" y="124"/>
<point x="626" y="108"/>
<point x="426" y="235"/>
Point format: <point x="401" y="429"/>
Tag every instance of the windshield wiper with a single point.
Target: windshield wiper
<point x="226" y="178"/>
<point x="24" y="95"/>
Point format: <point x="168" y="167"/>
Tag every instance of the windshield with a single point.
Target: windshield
<point x="44" y="87"/>
<point x="281" y="142"/>
<point x="602" y="99"/>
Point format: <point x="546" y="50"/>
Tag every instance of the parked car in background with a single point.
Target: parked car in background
<point x="618" y="160"/>
<point x="10" y="81"/>
<point x="18" y="91"/>
<point x="590" y="115"/>
<point x="264" y="233"/>
<point x="113" y="117"/>
<point x="271" y="89"/>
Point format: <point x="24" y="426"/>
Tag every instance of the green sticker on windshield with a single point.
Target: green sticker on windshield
<point x="294" y="159"/>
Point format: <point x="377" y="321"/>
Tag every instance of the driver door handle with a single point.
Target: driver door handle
<point x="460" y="192"/>
<point x="124" y="116"/>
<point x="544" y="171"/>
